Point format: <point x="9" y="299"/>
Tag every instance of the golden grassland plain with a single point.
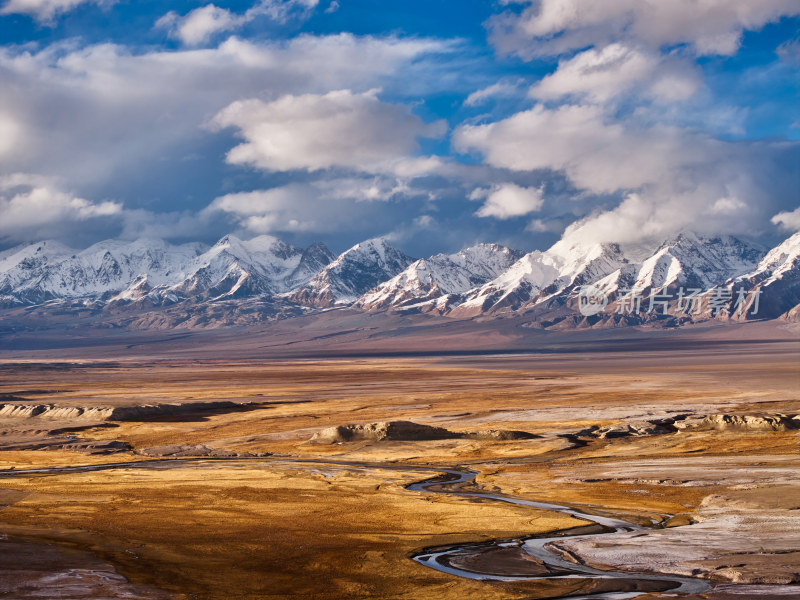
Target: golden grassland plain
<point x="265" y="527"/>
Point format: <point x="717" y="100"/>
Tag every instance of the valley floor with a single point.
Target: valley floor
<point x="246" y="505"/>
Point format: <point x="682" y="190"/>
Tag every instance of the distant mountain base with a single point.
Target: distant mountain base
<point x="350" y="333"/>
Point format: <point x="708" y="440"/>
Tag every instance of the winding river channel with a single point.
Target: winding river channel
<point x="455" y="481"/>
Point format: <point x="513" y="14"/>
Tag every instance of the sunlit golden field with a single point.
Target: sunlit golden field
<point x="261" y="526"/>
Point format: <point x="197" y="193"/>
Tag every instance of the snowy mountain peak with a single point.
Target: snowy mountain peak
<point x="43" y="252"/>
<point x="582" y="264"/>
<point x="567" y="252"/>
<point x="780" y="259"/>
<point x="443" y="274"/>
<point x="535" y="268"/>
<point x="375" y="247"/>
<point x="315" y="258"/>
<point x="775" y="280"/>
<point x="263" y="244"/>
<point x="355" y="271"/>
<point x="235" y="267"/>
<point x="515" y="286"/>
<point x="696" y="261"/>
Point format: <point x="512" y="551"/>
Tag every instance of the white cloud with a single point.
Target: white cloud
<point x="425" y="222"/>
<point x="657" y="213"/>
<point x="542" y="226"/>
<point x="365" y="189"/>
<point x="33" y="205"/>
<point x="89" y="113"/>
<point x="501" y="89"/>
<point x="45" y="11"/>
<point x="671" y="179"/>
<point x="294" y="207"/>
<point x="9" y="134"/>
<point x="789" y="51"/>
<point x="283" y="10"/>
<point x="508" y="200"/>
<point x="101" y="117"/>
<point x="188" y="225"/>
<point x="599" y="75"/>
<point x="200" y="24"/>
<point x="788" y="220"/>
<point x="553" y="27"/>
<point x="321" y="206"/>
<point x="596" y="152"/>
<point x="320" y="131"/>
<point x="668" y="177"/>
<point x="727" y="205"/>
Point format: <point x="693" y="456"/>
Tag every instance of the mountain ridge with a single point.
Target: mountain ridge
<point x="267" y="278"/>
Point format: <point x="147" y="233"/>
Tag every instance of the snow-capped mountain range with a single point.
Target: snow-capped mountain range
<point x="487" y="279"/>
<point x="113" y="271"/>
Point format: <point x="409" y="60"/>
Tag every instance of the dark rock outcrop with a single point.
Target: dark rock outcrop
<point x="407" y="431"/>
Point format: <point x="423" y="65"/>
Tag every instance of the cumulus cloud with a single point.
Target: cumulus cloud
<point x="32" y="205"/>
<point x="596" y="152"/>
<point x="86" y="113"/>
<point x="788" y="220"/>
<point x="114" y="114"/>
<point x="553" y="27"/>
<point x="624" y="67"/>
<point x="599" y="75"/>
<point x="508" y="200"/>
<point x="200" y="24"/>
<point x="45" y="11"/>
<point x="657" y="213"/>
<point x="670" y="179"/>
<point x="320" y="131"/>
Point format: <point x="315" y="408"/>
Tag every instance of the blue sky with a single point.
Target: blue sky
<point x="440" y="123"/>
